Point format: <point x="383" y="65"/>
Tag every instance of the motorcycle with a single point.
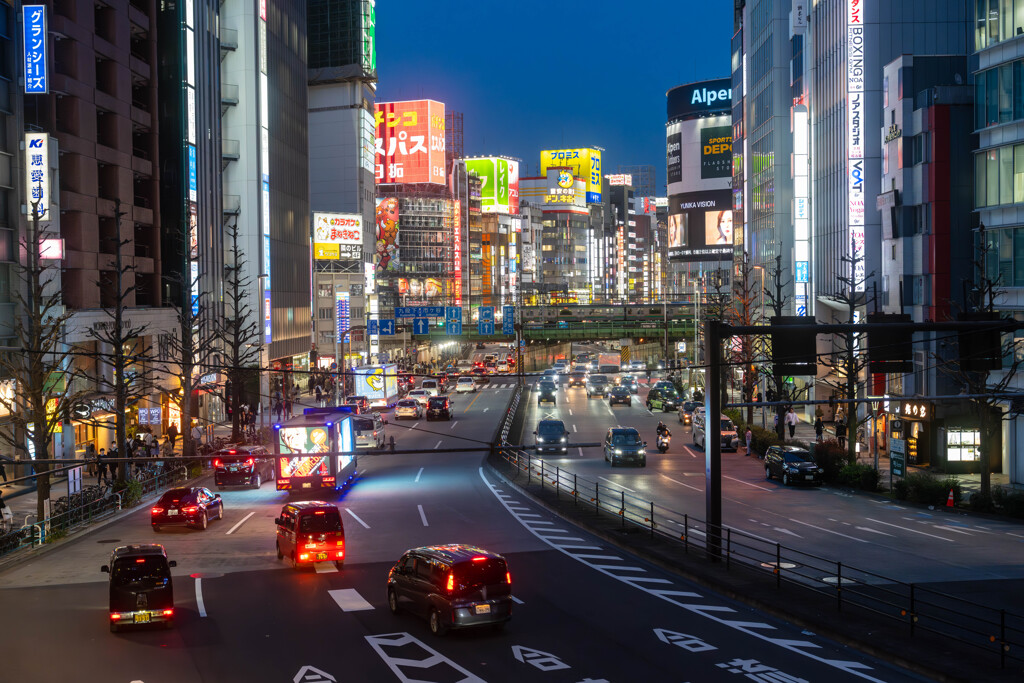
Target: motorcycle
<point x="663" y="441"/>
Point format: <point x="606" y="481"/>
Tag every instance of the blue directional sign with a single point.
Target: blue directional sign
<point x="453" y="313"/>
<point x="435" y="311"/>
<point x="453" y="327"/>
<point x="419" y="311"/>
<point x="508" y="317"/>
<point x="405" y="312"/>
<point x="387" y="328"/>
<point x="421" y="326"/>
<point x="374" y="326"/>
<point x="486" y="313"/>
<point x="485" y="327"/>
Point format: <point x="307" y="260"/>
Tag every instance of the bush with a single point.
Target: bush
<point x="763" y="438"/>
<point x="832" y="458"/>
<point x="1008" y="501"/>
<point x="131" y="492"/>
<point x="981" y="502"/>
<point x="864" y="477"/>
<point x="901" y="489"/>
<point x="928" y="490"/>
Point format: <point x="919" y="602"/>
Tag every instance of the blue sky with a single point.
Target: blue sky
<point x="531" y="75"/>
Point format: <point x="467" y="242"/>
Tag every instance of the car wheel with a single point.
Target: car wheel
<point x="437" y="627"/>
<point x="768" y="473"/>
<point x="113" y="627"/>
<point x="220" y="511"/>
<point x="203" y="521"/>
<point x="156" y="528"/>
<point x="393" y="602"/>
<point x="280" y="555"/>
<point x="257" y="482"/>
<point x="785" y="480"/>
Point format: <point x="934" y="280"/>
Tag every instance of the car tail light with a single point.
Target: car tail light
<point x="329" y="480"/>
<point x="508" y="578"/>
<point x="248" y="463"/>
<point x="217" y="463"/>
<point x="190" y="509"/>
<point x="341" y="554"/>
<point x="158" y="511"/>
<point x="168" y="612"/>
<point x="341" y="544"/>
<point x="451" y="582"/>
<point x="114" y="616"/>
<point x="140" y="560"/>
<point x="479" y="558"/>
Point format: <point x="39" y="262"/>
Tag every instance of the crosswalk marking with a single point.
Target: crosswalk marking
<point x="349" y="600"/>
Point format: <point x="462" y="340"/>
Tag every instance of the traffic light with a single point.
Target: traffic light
<point x="980" y="350"/>
<point x="889" y="350"/>
<point x="793" y="353"/>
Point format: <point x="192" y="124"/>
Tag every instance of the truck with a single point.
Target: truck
<point x="378" y="383"/>
<point x="608" y="362"/>
<point x="316" y="450"/>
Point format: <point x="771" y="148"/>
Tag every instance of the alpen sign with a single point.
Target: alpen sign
<point x="709" y="97"/>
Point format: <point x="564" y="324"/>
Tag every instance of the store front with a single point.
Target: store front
<point x="961" y="449"/>
<point x="913" y="423"/>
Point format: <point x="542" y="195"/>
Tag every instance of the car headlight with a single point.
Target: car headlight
<point x="564" y="439"/>
<point x="821" y="471"/>
<point x="792" y="470"/>
<point x="642" y="451"/>
<point x="618" y="451"/>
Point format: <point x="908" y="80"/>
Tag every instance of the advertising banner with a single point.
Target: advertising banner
<point x="385" y="257"/>
<point x="337" y="236"/>
<point x="34" y="25"/>
<point x="499" y="183"/>
<point x="700" y="226"/>
<point x="304" y="439"/>
<point x="703" y="98"/>
<point x="584" y="163"/>
<point x="410" y="142"/>
<point x="564" y="188"/>
<point x="716" y="152"/>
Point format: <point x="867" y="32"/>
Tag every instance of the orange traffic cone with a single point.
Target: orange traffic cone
<point x="949" y="501"/>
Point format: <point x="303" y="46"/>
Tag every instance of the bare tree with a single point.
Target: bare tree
<point x="38" y="363"/>
<point x="238" y="331"/>
<point x="744" y="310"/>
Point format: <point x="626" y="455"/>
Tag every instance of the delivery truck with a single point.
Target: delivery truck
<point x="378" y="383"/>
<point x="316" y="450"/>
<point x="608" y="363"/>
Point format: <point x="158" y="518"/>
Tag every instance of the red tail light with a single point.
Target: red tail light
<point x="479" y="558"/>
<point x="158" y="511"/>
<point x="114" y="616"/>
<point x="168" y="612"/>
<point x="217" y="463"/>
<point x="248" y="463"/>
<point x="140" y="560"/>
<point x="190" y="509"/>
<point x="451" y="582"/>
<point x="508" y="578"/>
<point x="304" y="556"/>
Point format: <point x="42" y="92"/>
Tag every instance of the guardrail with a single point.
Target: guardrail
<point x="994" y="631"/>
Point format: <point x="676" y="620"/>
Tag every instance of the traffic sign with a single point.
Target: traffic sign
<point x="435" y="311"/>
<point x="453" y="327"/>
<point x="485" y="327"/>
<point x="404" y="312"/>
<point x="421" y="326"/>
<point x="453" y="313"/>
<point x="387" y="328"/>
<point x="508" y="318"/>
<point x="374" y="326"/>
<point x="486" y="313"/>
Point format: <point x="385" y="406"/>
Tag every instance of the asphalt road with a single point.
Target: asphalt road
<point x="898" y="541"/>
<point x="587" y="611"/>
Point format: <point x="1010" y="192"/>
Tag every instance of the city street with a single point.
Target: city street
<point x="585" y="610"/>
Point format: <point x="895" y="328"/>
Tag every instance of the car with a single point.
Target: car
<point x="597" y="385"/>
<point x="406" y="381"/>
<point x="439" y="408"/>
<point x="665" y="384"/>
<point x="369" y="430"/>
<point x="408" y="407"/>
<point x="577" y="379"/>
<point x="637" y="366"/>
<point x="551" y="437"/>
<point x="481" y="346"/>
<point x="141" y="590"/>
<point x="793" y="465"/>
<point x="492" y="367"/>
<point x="452" y="586"/>
<point x="624" y="445"/>
<point x="727" y="431"/>
<point x="242" y="466"/>
<point x="480" y="376"/>
<point x="547" y="391"/>
<point x="628" y="381"/>
<point x="465" y="385"/>
<point x="490" y="358"/>
<point x="620" y="395"/>
<point x="686" y="409"/>
<point x="420" y="395"/>
<point x="361" y="403"/>
<point x="551" y="375"/>
<point x="192" y="506"/>
<point x="561" y="366"/>
<point x="432" y="385"/>
<point x="663" y="399"/>
<point x="503" y="367"/>
<point x="310" y="531"/>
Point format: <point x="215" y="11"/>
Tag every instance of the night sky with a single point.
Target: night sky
<point x="531" y="75"/>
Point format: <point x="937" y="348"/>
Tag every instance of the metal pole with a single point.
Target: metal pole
<point x="713" y="447"/>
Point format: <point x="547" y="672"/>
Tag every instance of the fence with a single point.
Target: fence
<point x="991" y="630"/>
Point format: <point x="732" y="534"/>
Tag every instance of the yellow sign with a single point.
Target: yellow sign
<point x="585" y="163"/>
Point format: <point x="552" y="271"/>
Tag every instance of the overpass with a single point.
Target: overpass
<point x="574" y="330"/>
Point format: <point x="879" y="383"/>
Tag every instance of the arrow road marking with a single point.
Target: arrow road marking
<point x="309" y="674"/>
<point x="406" y="646"/>
<point x="687" y="642"/>
<point x="542" y="660"/>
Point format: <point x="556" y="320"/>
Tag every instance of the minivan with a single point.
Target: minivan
<point x="432" y="385"/>
<point x="551" y="437"/>
<point x="727" y="430"/>
<point x="141" y="590"/>
<point x="309" y="532"/>
<point x="453" y="586"/>
<point x="369" y="430"/>
<point x="242" y="466"/>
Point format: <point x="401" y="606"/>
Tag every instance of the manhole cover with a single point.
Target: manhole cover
<point x="780" y="565"/>
<point x="110" y="540"/>
<point x="835" y="579"/>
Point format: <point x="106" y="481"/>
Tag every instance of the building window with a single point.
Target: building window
<point x="325" y="313"/>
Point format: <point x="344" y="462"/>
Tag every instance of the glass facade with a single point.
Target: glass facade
<point x="999" y="176"/>
<point x="999" y="95"/>
<point x="996" y="21"/>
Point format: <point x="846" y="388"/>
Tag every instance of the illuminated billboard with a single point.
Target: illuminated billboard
<point x="700" y="226"/>
<point x="564" y="188"/>
<point x="385" y="255"/>
<point x="499" y="183"/>
<point x="337" y="236"/>
<point x="410" y="142"/>
<point x="37" y="173"/>
<point x="34" y="26"/>
<point x="716" y="152"/>
<point x="585" y="163"/>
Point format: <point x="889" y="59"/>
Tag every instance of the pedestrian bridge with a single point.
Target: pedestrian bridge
<point x="574" y="330"/>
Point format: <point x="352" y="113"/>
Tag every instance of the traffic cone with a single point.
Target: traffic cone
<point x="949" y="500"/>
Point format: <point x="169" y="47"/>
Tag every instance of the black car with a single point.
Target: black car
<point x="662" y="398"/>
<point x="361" y="403"/>
<point x="141" y="590"/>
<point x="242" y="466"/>
<point x="481" y="346"/>
<point x="547" y="391"/>
<point x="577" y="379"/>
<point x="597" y="385"/>
<point x="551" y="437"/>
<point x="624" y="445"/>
<point x="439" y="408"/>
<point x="453" y="586"/>
<point x="793" y="465"/>
<point x="480" y="375"/>
<point x="630" y="382"/>
<point x="686" y="409"/>
<point x="620" y="395"/>
<point x="192" y="506"/>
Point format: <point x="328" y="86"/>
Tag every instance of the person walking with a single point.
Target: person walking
<point x="791" y="420"/>
<point x="750" y="440"/>
<point x="90" y="460"/>
<point x="101" y="467"/>
<point x="3" y="468"/>
<point x="172" y="434"/>
<point x="819" y="429"/>
<point x="841" y="434"/>
<point x="197" y="437"/>
<point x="319" y="391"/>
<point x="113" y="464"/>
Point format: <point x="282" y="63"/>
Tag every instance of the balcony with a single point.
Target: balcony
<point x="228" y="97"/>
<point x="232" y="204"/>
<point x="230" y="150"/>
<point x="228" y="41"/>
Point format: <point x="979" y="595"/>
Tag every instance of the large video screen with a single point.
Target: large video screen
<point x="700" y="226"/>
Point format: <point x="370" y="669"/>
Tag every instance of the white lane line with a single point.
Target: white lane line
<point x="915" y="531"/>
<point x="199" y="598"/>
<point x="620" y="568"/>
<point x="597" y="557"/>
<point x="325" y="568"/>
<point x="950" y="528"/>
<point x="574" y="429"/>
<point x="580" y="547"/>
<point x="486" y="409"/>
<point x="414" y="425"/>
<point x="423" y="516"/>
<point x="240" y="523"/>
<point x="646" y="579"/>
<point x="610" y="411"/>
<point x="681" y="483"/>
<point x="570" y="412"/>
<point x="528" y="514"/>
<point x="617" y="484"/>
<point x="556" y="531"/>
<point x="567" y="538"/>
<point x="748" y="483"/>
<point x="349" y="600"/>
<point x="872" y="531"/>
<point x="356" y="517"/>
<point x="580" y="449"/>
<point x="453" y="424"/>
<point x="820" y="528"/>
<point x="437" y="445"/>
<point x="516" y="600"/>
<point x="417" y="479"/>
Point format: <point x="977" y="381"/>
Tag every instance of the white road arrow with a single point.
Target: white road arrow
<point x="544" y="661"/>
<point x="687" y="642"/>
<point x="311" y="674"/>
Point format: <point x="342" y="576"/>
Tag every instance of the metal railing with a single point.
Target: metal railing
<point x="991" y="630"/>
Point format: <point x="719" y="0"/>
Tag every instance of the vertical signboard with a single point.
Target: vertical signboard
<point x="369" y="48"/>
<point x="37" y="172"/>
<point x="264" y="124"/>
<point x="855" y="134"/>
<point x="34" y="24"/>
<point x="410" y="142"/>
<point x="585" y="163"/>
<point x="385" y="257"/>
<point x="457" y="253"/>
<point x="342" y="315"/>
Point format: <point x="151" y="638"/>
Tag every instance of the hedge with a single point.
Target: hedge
<point x="919" y="487"/>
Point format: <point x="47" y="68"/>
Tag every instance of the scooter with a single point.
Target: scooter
<point x="663" y="441"/>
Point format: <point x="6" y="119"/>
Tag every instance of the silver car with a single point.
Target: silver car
<point x="408" y="408"/>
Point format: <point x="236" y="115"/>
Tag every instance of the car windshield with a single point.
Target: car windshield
<point x="318" y="523"/>
<point x="550" y="428"/>
<point x="797" y="457"/>
<point x="174" y="496"/>
<point x="549" y="371"/>
<point x="362" y="425"/>
<point x="407" y="404"/>
<point x="438" y="402"/>
<point x="619" y="390"/>
<point x="727" y="426"/>
<point x="465" y="380"/>
<point x="547" y="386"/>
<point x="141" y="573"/>
<point x="626" y="439"/>
<point x="598" y="379"/>
<point x="690" y="406"/>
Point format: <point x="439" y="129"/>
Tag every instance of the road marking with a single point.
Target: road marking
<point x="471" y="403"/>
<point x="437" y="445"/>
<point x="325" y="568"/>
<point x="580" y="449"/>
<point x="414" y="425"/>
<point x="417" y="479"/>
<point x="749" y="484"/>
<point x="598" y="557"/>
<point x="349" y="600"/>
<point x="199" y="598"/>
<point x="409" y="653"/>
<point x="453" y="424"/>
<point x="516" y="600"/>
<point x="620" y="568"/>
<point x="570" y="412"/>
<point x="240" y="523"/>
<point x="915" y="531"/>
<point x="528" y="514"/>
<point x="581" y="547"/>
<point x="574" y="429"/>
<point x="486" y="409"/>
<point x="681" y="483"/>
<point x="423" y="516"/>
<point x="872" y="531"/>
<point x="356" y="517"/>
<point x="821" y="528"/>
<point x="567" y="538"/>
<point x="610" y="411"/>
<point x="557" y="531"/>
<point x="617" y="484"/>
<point x="646" y="579"/>
<point x="949" y="528"/>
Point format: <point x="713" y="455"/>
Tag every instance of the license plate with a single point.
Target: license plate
<point x="307" y="484"/>
<point x="809" y="477"/>
<point x="172" y="513"/>
<point x="142" y="618"/>
<point x="483" y="609"/>
<point x="321" y="556"/>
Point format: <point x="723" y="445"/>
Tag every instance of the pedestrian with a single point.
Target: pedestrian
<point x="101" y="467"/>
<point x="90" y="459"/>
<point x="750" y="439"/>
<point x="197" y="436"/>
<point x="3" y="468"/>
<point x="819" y="429"/>
<point x="319" y="395"/>
<point x="791" y="420"/>
<point x="841" y="434"/>
<point x="113" y="463"/>
<point x="172" y="434"/>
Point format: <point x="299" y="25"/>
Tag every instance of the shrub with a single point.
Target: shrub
<point x="981" y="502"/>
<point x="859" y="476"/>
<point x="928" y="490"/>
<point x="736" y="415"/>
<point x="131" y="492"/>
<point x="763" y="438"/>
<point x="901" y="488"/>
<point x="1010" y="502"/>
<point x="832" y="459"/>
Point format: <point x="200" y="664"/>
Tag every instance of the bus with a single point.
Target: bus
<point x="315" y="451"/>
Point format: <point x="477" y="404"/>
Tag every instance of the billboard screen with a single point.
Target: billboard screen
<point x="410" y="142"/>
<point x="337" y="236"/>
<point x="499" y="183"/>
<point x="700" y="226"/>
<point x="585" y="163"/>
<point x="703" y="98"/>
<point x="716" y="152"/>
<point x="385" y="255"/>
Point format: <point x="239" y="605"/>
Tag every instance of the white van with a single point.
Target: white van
<point x="431" y="385"/>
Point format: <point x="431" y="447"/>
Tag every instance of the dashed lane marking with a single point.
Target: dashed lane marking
<point x="915" y="531"/>
<point x="418" y="474"/>
<point x="356" y="517"/>
<point x="681" y="483"/>
<point x="239" y="523"/>
<point x="747" y="483"/>
<point x="423" y="515"/>
<point x="516" y="600"/>
<point x="349" y="600"/>
<point x="829" y="531"/>
<point x="617" y="484"/>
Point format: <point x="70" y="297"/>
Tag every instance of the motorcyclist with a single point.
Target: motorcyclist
<point x="663" y="430"/>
